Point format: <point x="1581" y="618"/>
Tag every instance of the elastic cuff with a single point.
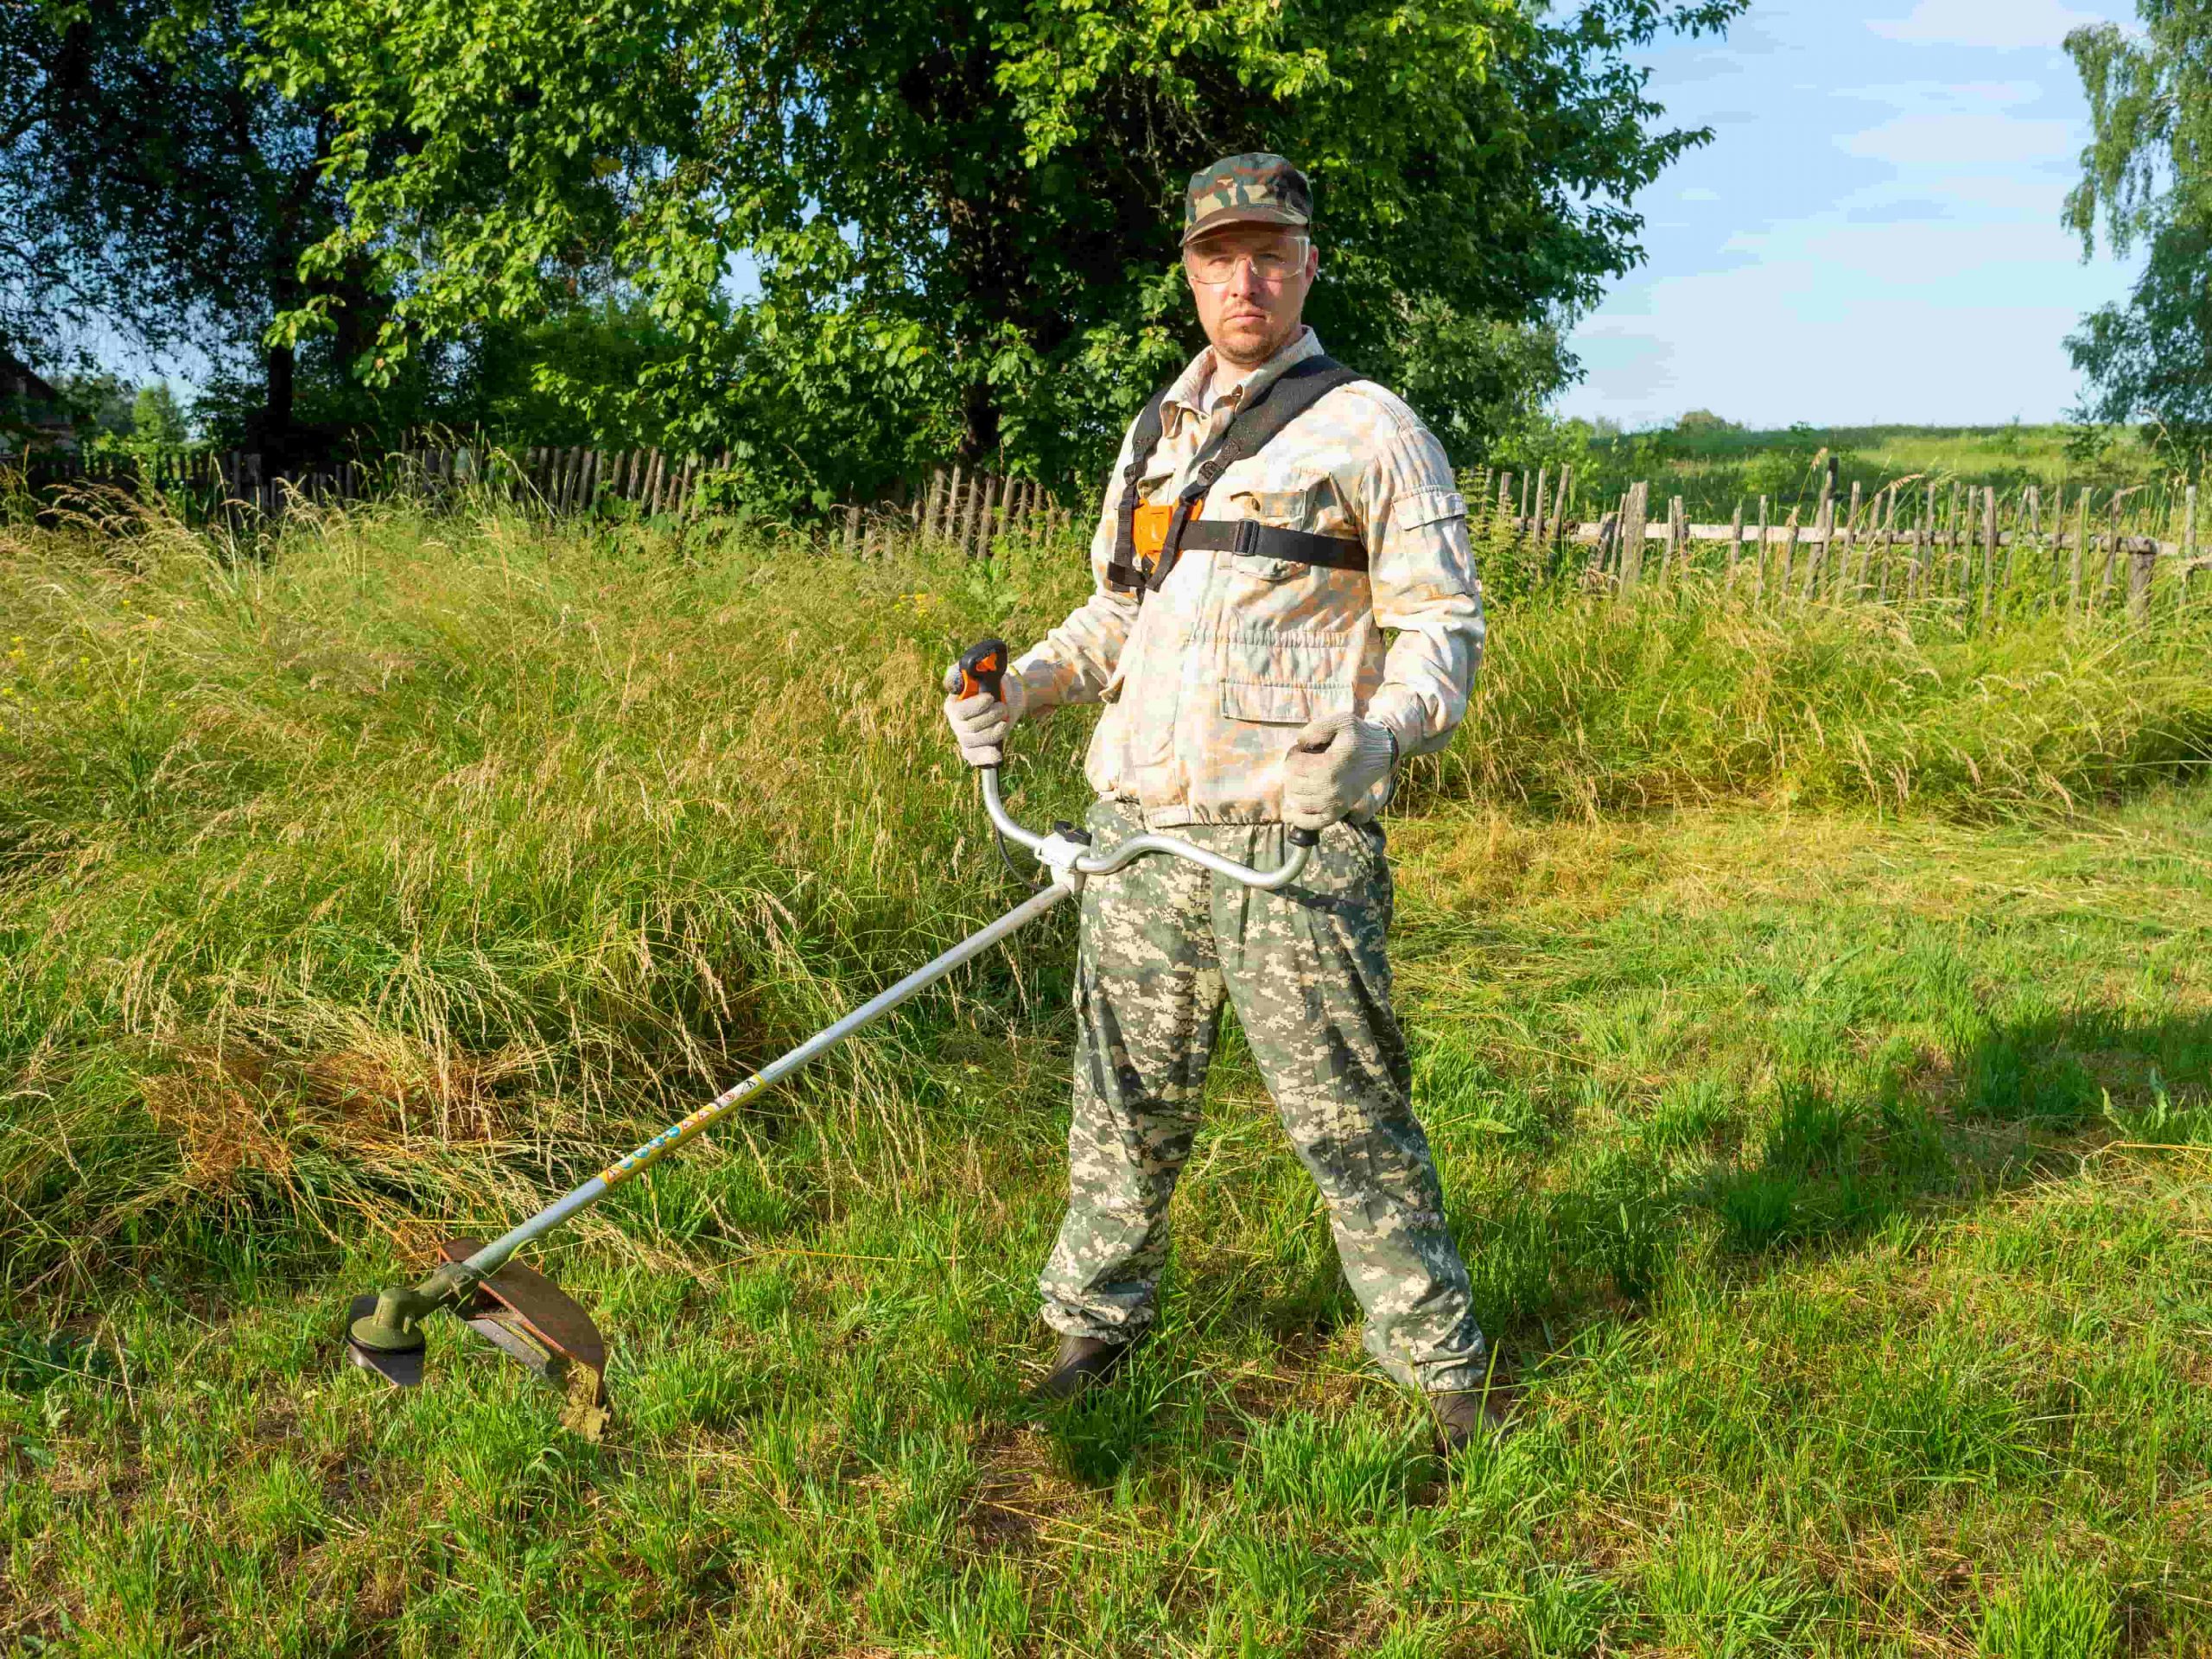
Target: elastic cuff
<point x="1399" y="712"/>
<point x="1041" y="683"/>
<point x="1075" y="1322"/>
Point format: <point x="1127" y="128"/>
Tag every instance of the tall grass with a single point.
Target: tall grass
<point x="385" y="878"/>
<point x="423" y="849"/>
<point x="1690" y="697"/>
<point x="411" y="866"/>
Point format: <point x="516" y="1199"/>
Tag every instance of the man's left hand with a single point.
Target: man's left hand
<point x="1332" y="764"/>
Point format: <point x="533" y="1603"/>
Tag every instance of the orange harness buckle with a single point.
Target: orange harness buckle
<point x="1150" y="529"/>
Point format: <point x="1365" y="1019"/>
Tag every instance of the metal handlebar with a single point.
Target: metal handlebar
<point x="1069" y="858"/>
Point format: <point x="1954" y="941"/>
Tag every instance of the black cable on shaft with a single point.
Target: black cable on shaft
<point x="1006" y="855"/>
<point x="1036" y="884"/>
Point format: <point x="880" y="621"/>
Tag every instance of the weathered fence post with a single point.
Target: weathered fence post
<point x="1633" y="521"/>
<point x="1841" y="576"/>
<point x="2188" y="544"/>
<point x="948" y="504"/>
<point x="1952" y="543"/>
<point x="1562" y="503"/>
<point x="1924" y="547"/>
<point x="925" y="520"/>
<point x="1818" y="562"/>
<point x="979" y="528"/>
<point x="1988" y="546"/>
<point x="2112" y="550"/>
<point x="963" y="523"/>
<point x="2081" y="552"/>
<point x="1758" y="560"/>
<point x="2140" y="561"/>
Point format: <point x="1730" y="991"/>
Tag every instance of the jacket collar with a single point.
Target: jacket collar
<point x="1184" y="397"/>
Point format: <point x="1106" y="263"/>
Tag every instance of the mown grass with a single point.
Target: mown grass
<point x="1811" y="1016"/>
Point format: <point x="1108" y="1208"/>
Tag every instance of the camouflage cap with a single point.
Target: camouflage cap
<point x="1261" y="189"/>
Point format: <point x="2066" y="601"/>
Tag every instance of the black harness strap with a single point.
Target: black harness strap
<point x="1122" y="569"/>
<point x="1250" y="536"/>
<point x="1289" y="395"/>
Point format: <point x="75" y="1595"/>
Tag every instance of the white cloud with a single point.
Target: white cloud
<point x="1962" y="141"/>
<point x="1948" y="96"/>
<point x="1991" y="25"/>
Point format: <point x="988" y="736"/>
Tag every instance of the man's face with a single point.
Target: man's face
<point x="1251" y="283"/>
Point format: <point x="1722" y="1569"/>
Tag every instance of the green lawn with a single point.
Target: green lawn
<point x="1833" y="1173"/>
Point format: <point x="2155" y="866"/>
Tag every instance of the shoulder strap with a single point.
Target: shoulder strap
<point x="1282" y="401"/>
<point x="1121" y="570"/>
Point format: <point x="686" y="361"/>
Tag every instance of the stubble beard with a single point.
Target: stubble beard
<point x="1244" y="347"/>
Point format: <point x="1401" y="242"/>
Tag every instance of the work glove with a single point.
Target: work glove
<point x="1332" y="764"/>
<point x="980" y="721"/>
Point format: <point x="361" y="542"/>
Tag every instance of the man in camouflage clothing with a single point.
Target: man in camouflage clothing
<point x="1247" y="693"/>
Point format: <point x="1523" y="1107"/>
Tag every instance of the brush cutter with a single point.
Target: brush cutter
<point x="525" y="1315"/>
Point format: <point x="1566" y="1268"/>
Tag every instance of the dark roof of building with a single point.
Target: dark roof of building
<point x="19" y="380"/>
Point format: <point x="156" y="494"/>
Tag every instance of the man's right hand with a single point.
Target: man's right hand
<point x="980" y="721"/>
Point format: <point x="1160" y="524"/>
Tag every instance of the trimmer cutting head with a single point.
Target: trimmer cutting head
<point x="522" y="1313"/>
<point x="385" y="1350"/>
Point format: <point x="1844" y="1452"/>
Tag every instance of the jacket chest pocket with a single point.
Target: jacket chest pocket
<point x="1285" y="679"/>
<point x="1282" y="705"/>
<point x="1298" y="497"/>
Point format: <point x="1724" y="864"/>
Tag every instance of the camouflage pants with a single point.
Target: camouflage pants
<point x="1164" y="944"/>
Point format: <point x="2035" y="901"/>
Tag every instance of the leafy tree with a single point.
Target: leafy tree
<point x="1699" y="422"/>
<point x="37" y="295"/>
<point x="156" y="418"/>
<point x="98" y="403"/>
<point x="874" y="231"/>
<point x="170" y="193"/>
<point x="2146" y="182"/>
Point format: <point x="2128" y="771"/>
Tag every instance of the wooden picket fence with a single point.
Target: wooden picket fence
<point x="203" y="484"/>
<point x="968" y="508"/>
<point x="1964" y="548"/>
<point x="561" y="480"/>
<point x="1961" y="547"/>
<point x="577" y="478"/>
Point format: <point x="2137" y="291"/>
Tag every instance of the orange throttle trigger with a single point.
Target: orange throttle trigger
<point x="983" y="669"/>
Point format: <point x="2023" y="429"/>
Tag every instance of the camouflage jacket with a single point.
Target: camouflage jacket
<point x="1207" y="683"/>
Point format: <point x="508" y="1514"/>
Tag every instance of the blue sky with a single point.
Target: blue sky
<point x="1872" y="236"/>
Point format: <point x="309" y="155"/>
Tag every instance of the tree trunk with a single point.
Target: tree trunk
<point x="979" y="425"/>
<point x="276" y="413"/>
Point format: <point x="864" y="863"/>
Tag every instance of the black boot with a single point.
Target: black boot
<point x="1465" y="1414"/>
<point x="1082" y="1364"/>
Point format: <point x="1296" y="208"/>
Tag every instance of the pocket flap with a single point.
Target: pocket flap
<point x="1283" y="508"/>
<point x="1419" y="507"/>
<point x="1282" y="705"/>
